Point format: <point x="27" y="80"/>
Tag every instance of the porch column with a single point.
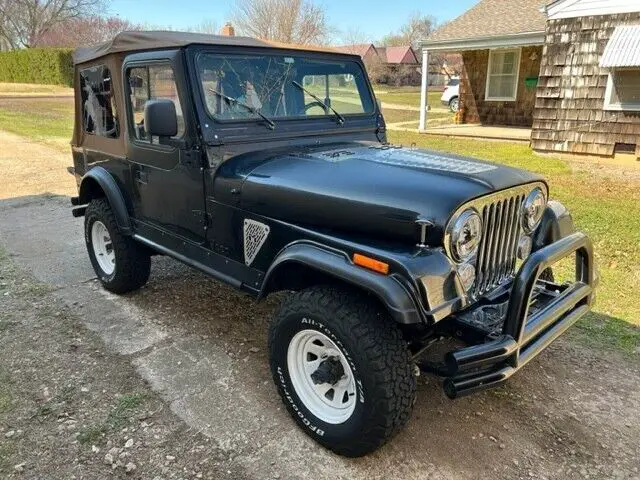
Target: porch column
<point x="424" y="89"/>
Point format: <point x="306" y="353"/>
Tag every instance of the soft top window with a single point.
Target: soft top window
<point x="271" y="85"/>
<point x="99" y="115"/>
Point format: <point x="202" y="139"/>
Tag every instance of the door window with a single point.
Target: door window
<point x="151" y="83"/>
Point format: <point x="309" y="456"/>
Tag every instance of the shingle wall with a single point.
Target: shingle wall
<point x="569" y="115"/>
<point x="474" y="107"/>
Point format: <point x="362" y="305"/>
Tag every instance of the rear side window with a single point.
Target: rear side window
<point x="99" y="115"/>
<point x="454" y="82"/>
<point x="151" y="83"/>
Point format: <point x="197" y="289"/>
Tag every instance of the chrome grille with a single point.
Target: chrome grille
<point x="497" y="252"/>
<point x="502" y="227"/>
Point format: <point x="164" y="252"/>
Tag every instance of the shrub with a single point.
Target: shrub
<point x="48" y="66"/>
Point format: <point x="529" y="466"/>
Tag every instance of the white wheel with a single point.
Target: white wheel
<point x="321" y="376"/>
<point x="103" y="247"/>
<point x="454" y="104"/>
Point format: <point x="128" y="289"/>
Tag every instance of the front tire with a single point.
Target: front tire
<point x="121" y="264"/>
<point x="342" y="369"/>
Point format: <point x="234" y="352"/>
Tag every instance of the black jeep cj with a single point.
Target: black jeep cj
<point x="267" y="167"/>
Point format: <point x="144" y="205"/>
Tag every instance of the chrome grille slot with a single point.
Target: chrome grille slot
<point x="497" y="252"/>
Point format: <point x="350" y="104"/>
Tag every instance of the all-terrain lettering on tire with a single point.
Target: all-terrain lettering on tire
<point x="342" y="369"/>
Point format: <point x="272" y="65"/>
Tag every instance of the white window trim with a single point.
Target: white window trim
<point x="487" y="98"/>
<point x="617" y="107"/>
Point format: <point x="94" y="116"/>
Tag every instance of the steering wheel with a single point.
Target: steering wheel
<point x="310" y="105"/>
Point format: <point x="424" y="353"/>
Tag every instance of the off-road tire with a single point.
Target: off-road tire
<point x="133" y="262"/>
<point x="379" y="357"/>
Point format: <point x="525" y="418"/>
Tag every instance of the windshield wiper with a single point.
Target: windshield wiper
<point x="329" y="107"/>
<point x="271" y="125"/>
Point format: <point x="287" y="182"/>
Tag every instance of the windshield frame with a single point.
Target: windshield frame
<point x="328" y="57"/>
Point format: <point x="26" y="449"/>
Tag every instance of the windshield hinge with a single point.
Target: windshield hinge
<point x="191" y="157"/>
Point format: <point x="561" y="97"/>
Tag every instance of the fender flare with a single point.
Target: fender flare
<point x="113" y="193"/>
<point x="387" y="288"/>
<point x="556" y="223"/>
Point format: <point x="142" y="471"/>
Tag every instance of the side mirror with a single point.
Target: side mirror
<point x="160" y="119"/>
<point x="379" y="102"/>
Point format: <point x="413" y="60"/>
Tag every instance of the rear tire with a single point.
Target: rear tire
<point x="454" y="104"/>
<point x="365" y="370"/>
<point x="121" y="264"/>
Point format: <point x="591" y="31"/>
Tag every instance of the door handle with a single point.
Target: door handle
<point x="141" y="177"/>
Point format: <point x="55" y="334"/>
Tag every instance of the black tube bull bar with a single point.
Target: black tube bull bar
<point x="524" y="336"/>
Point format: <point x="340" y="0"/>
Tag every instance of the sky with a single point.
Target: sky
<point x="374" y="18"/>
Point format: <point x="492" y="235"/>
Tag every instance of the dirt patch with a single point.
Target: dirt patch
<point x="69" y="408"/>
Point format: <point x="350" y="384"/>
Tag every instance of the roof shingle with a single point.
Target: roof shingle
<point x="493" y="18"/>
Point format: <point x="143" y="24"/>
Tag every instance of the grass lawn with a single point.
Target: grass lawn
<point x="606" y="207"/>
<point x="49" y="120"/>
<point x="32" y="89"/>
<point x="435" y="117"/>
<point x="406" y="96"/>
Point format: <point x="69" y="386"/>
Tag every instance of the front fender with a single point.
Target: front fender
<point x="387" y="288"/>
<point x="100" y="177"/>
<point x="556" y="223"/>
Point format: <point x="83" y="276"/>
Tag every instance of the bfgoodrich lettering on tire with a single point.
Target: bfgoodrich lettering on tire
<point x="342" y="369"/>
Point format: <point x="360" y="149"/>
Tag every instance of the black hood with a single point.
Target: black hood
<point x="370" y="189"/>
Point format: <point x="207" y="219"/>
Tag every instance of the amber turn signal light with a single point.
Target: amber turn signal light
<point x="371" y="263"/>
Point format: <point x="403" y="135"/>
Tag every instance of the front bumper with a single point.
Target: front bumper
<point x="524" y="335"/>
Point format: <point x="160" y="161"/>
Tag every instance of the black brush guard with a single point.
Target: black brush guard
<point x="524" y="336"/>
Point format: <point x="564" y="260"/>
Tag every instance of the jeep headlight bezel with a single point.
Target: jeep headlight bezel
<point x="533" y="209"/>
<point x="465" y="235"/>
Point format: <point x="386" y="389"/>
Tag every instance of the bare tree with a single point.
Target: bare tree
<point x="23" y="22"/>
<point x="209" y="26"/>
<point x="353" y="36"/>
<point x="87" y="31"/>
<point x="417" y="28"/>
<point x="291" y="21"/>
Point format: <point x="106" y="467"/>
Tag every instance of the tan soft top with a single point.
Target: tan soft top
<point x="153" y="40"/>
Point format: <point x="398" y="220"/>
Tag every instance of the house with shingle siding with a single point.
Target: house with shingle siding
<point x="501" y="43"/>
<point x="588" y="96"/>
<point x="569" y="69"/>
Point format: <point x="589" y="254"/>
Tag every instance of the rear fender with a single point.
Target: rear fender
<point x="99" y="182"/>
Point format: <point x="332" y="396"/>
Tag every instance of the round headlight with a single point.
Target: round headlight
<point x="466" y="234"/>
<point x="532" y="210"/>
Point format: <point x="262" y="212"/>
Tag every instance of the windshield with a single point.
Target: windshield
<point x="267" y="84"/>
